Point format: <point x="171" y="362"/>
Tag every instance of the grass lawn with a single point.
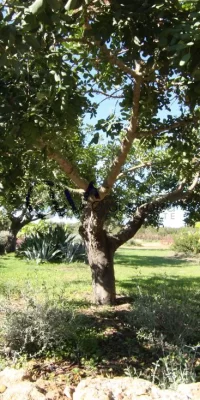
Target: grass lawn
<point x="127" y="338"/>
<point x="147" y="271"/>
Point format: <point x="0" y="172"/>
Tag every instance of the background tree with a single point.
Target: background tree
<point x="56" y="56"/>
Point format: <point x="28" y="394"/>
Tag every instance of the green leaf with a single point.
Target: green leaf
<point x="185" y="59"/>
<point x="54" y="4"/>
<point x="32" y="41"/>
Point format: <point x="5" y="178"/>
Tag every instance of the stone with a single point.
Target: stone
<point x="123" y="389"/>
<point x="68" y="392"/>
<point x="11" y="375"/>
<point x="15" y="386"/>
<point x="18" y="391"/>
<point x="192" y="390"/>
<point x="2" y="388"/>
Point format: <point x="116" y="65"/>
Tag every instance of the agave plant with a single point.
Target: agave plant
<point x="53" y="245"/>
<point x="73" y="248"/>
<point x="38" y="247"/>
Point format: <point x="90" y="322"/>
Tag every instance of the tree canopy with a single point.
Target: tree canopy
<point x="56" y="56"/>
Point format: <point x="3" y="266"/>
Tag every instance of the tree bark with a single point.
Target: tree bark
<point x="16" y="225"/>
<point x="100" y="252"/>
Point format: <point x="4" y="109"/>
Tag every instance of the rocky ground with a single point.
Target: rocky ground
<point x="19" y="385"/>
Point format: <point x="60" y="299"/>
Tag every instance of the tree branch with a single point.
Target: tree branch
<point x="166" y="128"/>
<point x="111" y="58"/>
<point x="115" y="61"/>
<point x="111" y="96"/>
<point x="125" y="145"/>
<point x="145" y="164"/>
<point x="142" y="211"/>
<point x="66" y="166"/>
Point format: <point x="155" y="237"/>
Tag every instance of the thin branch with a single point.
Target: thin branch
<point x="115" y="61"/>
<point x="112" y="95"/>
<point x="166" y="128"/>
<point x="177" y="194"/>
<point x="194" y="183"/>
<point x="111" y="58"/>
<point x="125" y="145"/>
<point x="145" y="164"/>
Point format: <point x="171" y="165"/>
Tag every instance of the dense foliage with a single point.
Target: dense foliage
<point x="53" y="244"/>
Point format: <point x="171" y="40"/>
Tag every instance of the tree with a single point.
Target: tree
<point x="56" y="55"/>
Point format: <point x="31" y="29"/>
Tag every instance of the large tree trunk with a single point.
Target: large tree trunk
<point x="101" y="248"/>
<point x="100" y="257"/>
<point x="16" y="225"/>
<point x="100" y="254"/>
<point x="12" y="239"/>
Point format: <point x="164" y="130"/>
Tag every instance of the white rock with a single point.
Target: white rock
<point x="10" y="375"/>
<point x="123" y="388"/>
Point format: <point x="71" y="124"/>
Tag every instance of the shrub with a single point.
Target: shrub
<point x="48" y="327"/>
<point x="73" y="249"/>
<point x="178" y="321"/>
<point x="4" y="221"/>
<point x="175" y="367"/>
<point x="53" y="245"/>
<point x="43" y="227"/>
<point x="38" y="328"/>
<point x="188" y="243"/>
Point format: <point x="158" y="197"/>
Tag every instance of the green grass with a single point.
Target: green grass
<point x="152" y="271"/>
<point x="148" y="271"/>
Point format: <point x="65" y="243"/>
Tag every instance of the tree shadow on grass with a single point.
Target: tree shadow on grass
<point x="173" y="286"/>
<point x="135" y="260"/>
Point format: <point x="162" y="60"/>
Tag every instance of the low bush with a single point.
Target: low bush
<point x="51" y="327"/>
<point x="188" y="243"/>
<point x="175" y="367"/>
<point x="176" y="320"/>
<point x="52" y="245"/>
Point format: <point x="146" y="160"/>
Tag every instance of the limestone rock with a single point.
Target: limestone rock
<point x="68" y="392"/>
<point x="11" y="375"/>
<point x="192" y="390"/>
<point x="123" y="389"/>
<point x="22" y="391"/>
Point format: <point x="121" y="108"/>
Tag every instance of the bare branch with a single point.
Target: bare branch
<point x="111" y="96"/>
<point x="142" y="165"/>
<point x="125" y="145"/>
<point x="194" y="183"/>
<point x="66" y="166"/>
